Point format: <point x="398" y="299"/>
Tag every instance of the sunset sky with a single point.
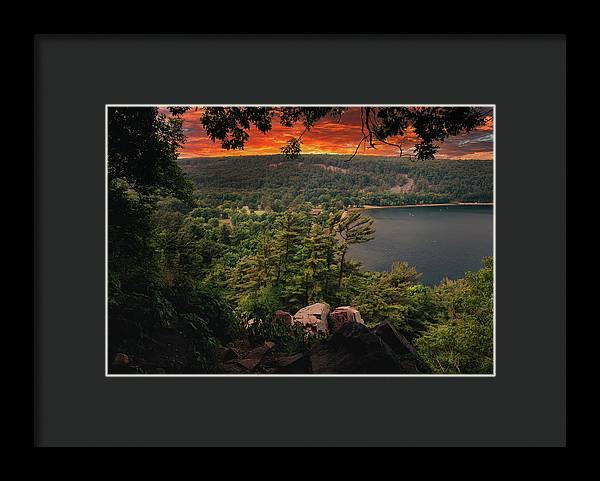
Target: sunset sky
<point x="328" y="136"/>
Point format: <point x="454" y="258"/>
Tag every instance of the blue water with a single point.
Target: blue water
<point x="439" y="241"/>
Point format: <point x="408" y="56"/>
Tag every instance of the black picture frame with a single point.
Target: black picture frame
<point x="75" y="76"/>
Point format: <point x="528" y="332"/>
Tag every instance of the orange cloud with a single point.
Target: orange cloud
<point x="488" y="126"/>
<point x="329" y="136"/>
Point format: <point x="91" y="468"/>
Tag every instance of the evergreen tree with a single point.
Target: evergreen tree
<point x="315" y="267"/>
<point x="258" y="270"/>
<point x="353" y="229"/>
<point x="290" y="228"/>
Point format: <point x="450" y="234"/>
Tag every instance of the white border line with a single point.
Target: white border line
<point x="494" y="237"/>
<point x="242" y="376"/>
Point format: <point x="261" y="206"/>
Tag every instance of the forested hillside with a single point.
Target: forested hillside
<point x="275" y="183"/>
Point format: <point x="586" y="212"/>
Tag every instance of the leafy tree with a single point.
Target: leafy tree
<point x="319" y="248"/>
<point x="142" y="151"/>
<point x="461" y="341"/>
<point x="225" y="234"/>
<point x="154" y="250"/>
<point x="292" y="148"/>
<point x="419" y="310"/>
<point x="353" y="229"/>
<point x="259" y="269"/>
<point x="393" y="296"/>
<point x="378" y="300"/>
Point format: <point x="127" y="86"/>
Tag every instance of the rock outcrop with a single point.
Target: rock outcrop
<point x="314" y="318"/>
<point x="284" y="316"/>
<point x="409" y="359"/>
<point x="341" y="315"/>
<point x="294" y="364"/>
<point x="250" y="361"/>
<point x="355" y="349"/>
<point x="229" y="354"/>
<point x="349" y="348"/>
<point x="394" y="339"/>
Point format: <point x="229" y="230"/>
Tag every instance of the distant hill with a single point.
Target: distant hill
<point x="272" y="181"/>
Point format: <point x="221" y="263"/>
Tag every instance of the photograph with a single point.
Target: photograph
<point x="300" y="240"/>
<point x="247" y="240"/>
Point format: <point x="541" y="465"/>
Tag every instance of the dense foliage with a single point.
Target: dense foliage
<point x="264" y="262"/>
<point x="152" y="284"/>
<point x="193" y="269"/>
<point x="459" y="337"/>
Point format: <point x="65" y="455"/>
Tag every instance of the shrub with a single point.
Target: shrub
<point x="461" y="340"/>
<point x="288" y="339"/>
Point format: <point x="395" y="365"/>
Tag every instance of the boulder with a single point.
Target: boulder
<point x="354" y="349"/>
<point x="294" y="364"/>
<point x="284" y="316"/>
<point x="230" y="353"/>
<point x="314" y="318"/>
<point x="121" y="360"/>
<point x="394" y="339"/>
<point x="342" y="315"/>
<point x="232" y="367"/>
<point x="122" y="364"/>
<point x="250" y="361"/>
<point x="409" y="359"/>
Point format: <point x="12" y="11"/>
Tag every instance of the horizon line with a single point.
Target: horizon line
<point x="328" y="154"/>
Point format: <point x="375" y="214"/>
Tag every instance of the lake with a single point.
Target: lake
<point x="439" y="241"/>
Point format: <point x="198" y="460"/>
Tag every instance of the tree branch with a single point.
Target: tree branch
<point x="356" y="150"/>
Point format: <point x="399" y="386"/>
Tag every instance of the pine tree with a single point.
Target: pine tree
<point x="353" y="229"/>
<point x="257" y="270"/>
<point x="315" y="267"/>
<point x="225" y="234"/>
<point x="291" y="226"/>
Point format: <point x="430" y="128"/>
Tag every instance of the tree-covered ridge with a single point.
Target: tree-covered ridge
<point x="274" y="182"/>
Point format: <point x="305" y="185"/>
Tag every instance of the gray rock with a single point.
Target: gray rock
<point x="230" y="354"/>
<point x="409" y="359"/>
<point x="284" y="316"/>
<point x="341" y="315"/>
<point x="250" y="361"/>
<point x="354" y="349"/>
<point x="394" y="339"/>
<point x="314" y="318"/>
<point x="294" y="364"/>
<point x="121" y="359"/>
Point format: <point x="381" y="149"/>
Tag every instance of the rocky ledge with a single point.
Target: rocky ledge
<point x="348" y="347"/>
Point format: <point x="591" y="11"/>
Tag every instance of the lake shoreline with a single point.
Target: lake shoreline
<point x="369" y="207"/>
<point x="439" y="241"/>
